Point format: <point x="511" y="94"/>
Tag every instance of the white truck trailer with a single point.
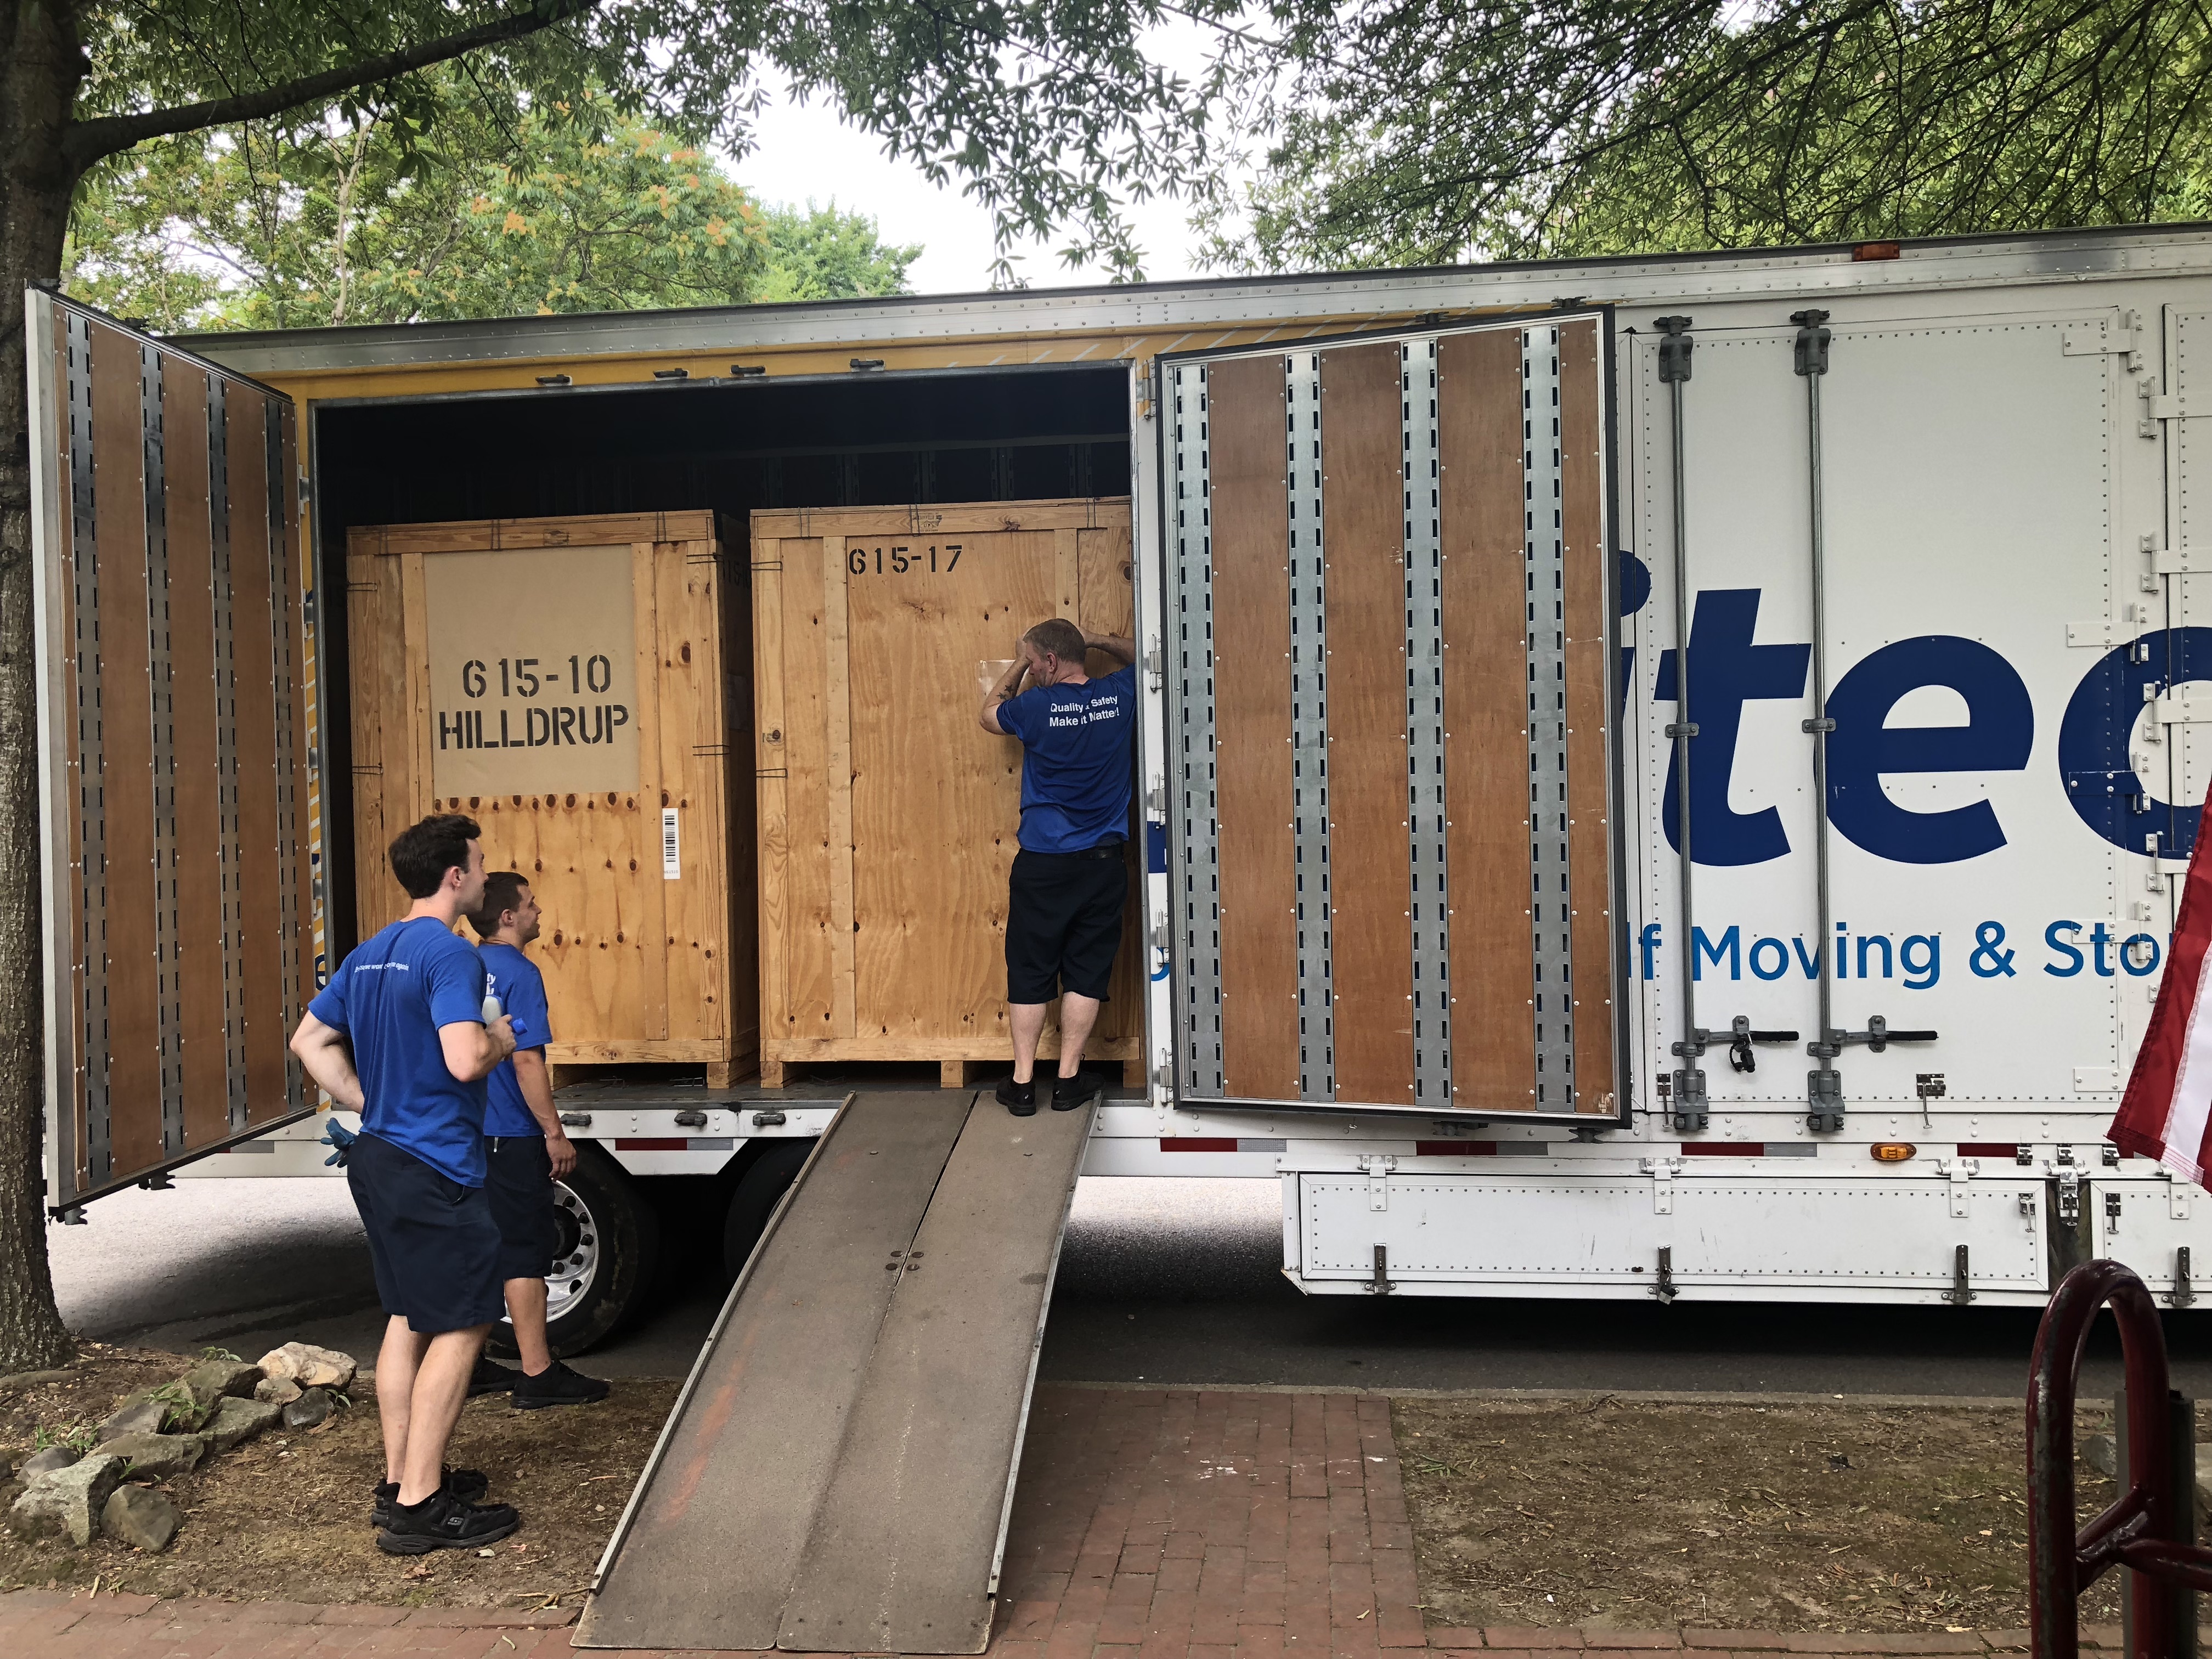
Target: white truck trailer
<point x="1935" y="519"/>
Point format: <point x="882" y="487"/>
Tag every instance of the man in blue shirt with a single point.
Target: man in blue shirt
<point x="1071" y="877"/>
<point x="401" y="1035"/>
<point x="526" y="1151"/>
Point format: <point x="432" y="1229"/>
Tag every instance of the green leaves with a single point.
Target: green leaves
<point x="1399" y="133"/>
<point x="447" y="212"/>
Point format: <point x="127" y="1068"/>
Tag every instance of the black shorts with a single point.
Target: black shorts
<point x="1064" y="922"/>
<point x="431" y="1240"/>
<point x="519" y="1182"/>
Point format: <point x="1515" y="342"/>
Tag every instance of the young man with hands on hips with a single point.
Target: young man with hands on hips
<point x="402" y="1034"/>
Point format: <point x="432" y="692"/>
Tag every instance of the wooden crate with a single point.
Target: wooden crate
<point x="888" y="817"/>
<point x="640" y="653"/>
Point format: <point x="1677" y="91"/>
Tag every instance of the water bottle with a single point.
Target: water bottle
<point x="492" y="1010"/>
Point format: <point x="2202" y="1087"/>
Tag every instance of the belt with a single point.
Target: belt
<point x="1104" y="849"/>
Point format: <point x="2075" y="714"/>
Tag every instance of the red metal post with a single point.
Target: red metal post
<point x="2138" y="1530"/>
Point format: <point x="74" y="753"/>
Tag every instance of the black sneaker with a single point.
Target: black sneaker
<point x="490" y="1378"/>
<point x="467" y="1484"/>
<point x="443" y="1522"/>
<point x="1019" y="1098"/>
<point x="557" y="1385"/>
<point x="1069" y="1093"/>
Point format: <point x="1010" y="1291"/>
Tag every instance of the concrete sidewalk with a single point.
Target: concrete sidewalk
<point x="1147" y="1525"/>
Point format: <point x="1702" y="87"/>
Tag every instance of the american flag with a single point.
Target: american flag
<point x="2166" y="1113"/>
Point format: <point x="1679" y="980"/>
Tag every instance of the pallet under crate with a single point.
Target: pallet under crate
<point x="888" y="817"/>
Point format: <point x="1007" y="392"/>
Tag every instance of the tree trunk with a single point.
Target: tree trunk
<point x="41" y="65"/>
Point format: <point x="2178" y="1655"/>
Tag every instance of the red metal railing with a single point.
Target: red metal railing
<point x="2147" y="1529"/>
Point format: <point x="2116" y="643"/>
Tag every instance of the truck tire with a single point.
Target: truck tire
<point x="607" y="1244"/>
<point x="755" y="1199"/>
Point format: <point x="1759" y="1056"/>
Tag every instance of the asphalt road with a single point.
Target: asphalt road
<point x="1160" y="1281"/>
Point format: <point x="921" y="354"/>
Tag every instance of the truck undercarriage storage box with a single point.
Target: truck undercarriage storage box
<point x="888" y="817"/>
<point x="579" y="687"/>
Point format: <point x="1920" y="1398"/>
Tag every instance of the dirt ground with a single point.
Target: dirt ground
<point x="1635" y="1516"/>
<point x="286" y="1518"/>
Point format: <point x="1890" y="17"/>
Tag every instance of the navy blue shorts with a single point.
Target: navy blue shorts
<point x="1064" y="922"/>
<point x="519" y="1182"/>
<point x="432" y="1241"/>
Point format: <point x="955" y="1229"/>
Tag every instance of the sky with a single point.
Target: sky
<point x="804" y="152"/>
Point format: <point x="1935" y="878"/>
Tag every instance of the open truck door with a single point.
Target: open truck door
<point x="1396" y="854"/>
<point x="175" y="750"/>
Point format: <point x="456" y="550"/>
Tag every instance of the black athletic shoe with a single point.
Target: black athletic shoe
<point x="557" y="1385"/>
<point x="1019" y="1098"/>
<point x="490" y="1378"/>
<point x="443" y="1522"/>
<point x="1069" y="1093"/>
<point x="467" y="1484"/>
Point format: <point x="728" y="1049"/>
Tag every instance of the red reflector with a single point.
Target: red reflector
<point x="1724" y="1149"/>
<point x="1456" y="1149"/>
<point x="1866" y="251"/>
<point x="655" y="1143"/>
<point x="1988" y="1148"/>
<point x="1198" y="1143"/>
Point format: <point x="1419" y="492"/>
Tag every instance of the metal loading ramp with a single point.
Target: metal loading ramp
<point x="837" y="1474"/>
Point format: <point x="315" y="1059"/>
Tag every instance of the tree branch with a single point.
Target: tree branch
<point x="86" y="141"/>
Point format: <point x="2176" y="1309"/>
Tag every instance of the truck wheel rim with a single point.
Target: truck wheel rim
<point x="577" y="1251"/>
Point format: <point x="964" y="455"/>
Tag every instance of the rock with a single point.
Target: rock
<point x="141" y="1517"/>
<point x="2100" y="1453"/>
<point x="235" y="1421"/>
<point x="310" y="1408"/>
<point x="216" y="1380"/>
<point x="45" y="1462"/>
<point x="69" y="1499"/>
<point x="160" y="1456"/>
<point x="277" y="1390"/>
<point x="138" y="1415"/>
<point x="309" y="1366"/>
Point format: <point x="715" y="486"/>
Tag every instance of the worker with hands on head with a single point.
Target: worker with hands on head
<point x="402" y="1035"/>
<point x="526" y="1151"/>
<point x="1070" y="875"/>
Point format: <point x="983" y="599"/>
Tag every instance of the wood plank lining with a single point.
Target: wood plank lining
<point x="809" y="924"/>
<point x="126" y="782"/>
<point x="837" y="767"/>
<point x="1590" y="839"/>
<point x="771" y="751"/>
<point x="199" y="869"/>
<point x="1486" y="720"/>
<point x="1370" y="929"/>
<point x="1252" y="713"/>
<point x="300" y="985"/>
<point x="254" y="636"/>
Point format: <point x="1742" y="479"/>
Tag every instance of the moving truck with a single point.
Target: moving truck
<point x="1529" y="958"/>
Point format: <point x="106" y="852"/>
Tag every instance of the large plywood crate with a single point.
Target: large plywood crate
<point x="582" y="687"/>
<point x="888" y="817"/>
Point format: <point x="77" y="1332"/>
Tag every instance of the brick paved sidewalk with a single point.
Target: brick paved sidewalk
<point x="1147" y="1525"/>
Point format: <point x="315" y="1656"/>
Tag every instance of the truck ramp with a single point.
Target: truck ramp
<point x="837" y="1474"/>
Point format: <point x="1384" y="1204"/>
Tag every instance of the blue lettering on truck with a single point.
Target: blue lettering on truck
<point x="1727" y="671"/>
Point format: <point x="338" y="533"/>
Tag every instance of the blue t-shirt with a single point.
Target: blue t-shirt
<point x="515" y="979"/>
<point x="1076" y="775"/>
<point x="390" y="997"/>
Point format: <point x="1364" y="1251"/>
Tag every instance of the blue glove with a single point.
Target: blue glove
<point x="335" y="1134"/>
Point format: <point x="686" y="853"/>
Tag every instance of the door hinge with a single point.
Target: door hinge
<point x="1378" y="1166"/>
<point x="1665" y="1288"/>
<point x="1959" y="1172"/>
<point x="1662" y="1172"/>
<point x="2121" y="335"/>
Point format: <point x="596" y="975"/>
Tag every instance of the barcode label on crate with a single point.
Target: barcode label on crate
<point x="671" y="858"/>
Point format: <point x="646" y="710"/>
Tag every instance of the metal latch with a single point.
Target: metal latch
<point x="1741" y="1036"/>
<point x="2184" y="1293"/>
<point x="1378" y="1166"/>
<point x="1961" y="1291"/>
<point x="1877" y="1037"/>
<point x="2112" y="1215"/>
<point x="1662" y="1171"/>
<point x="2070" y="1198"/>
<point x="1380" y="1284"/>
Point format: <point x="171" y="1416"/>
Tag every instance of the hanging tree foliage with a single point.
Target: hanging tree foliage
<point x="1402" y="133"/>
